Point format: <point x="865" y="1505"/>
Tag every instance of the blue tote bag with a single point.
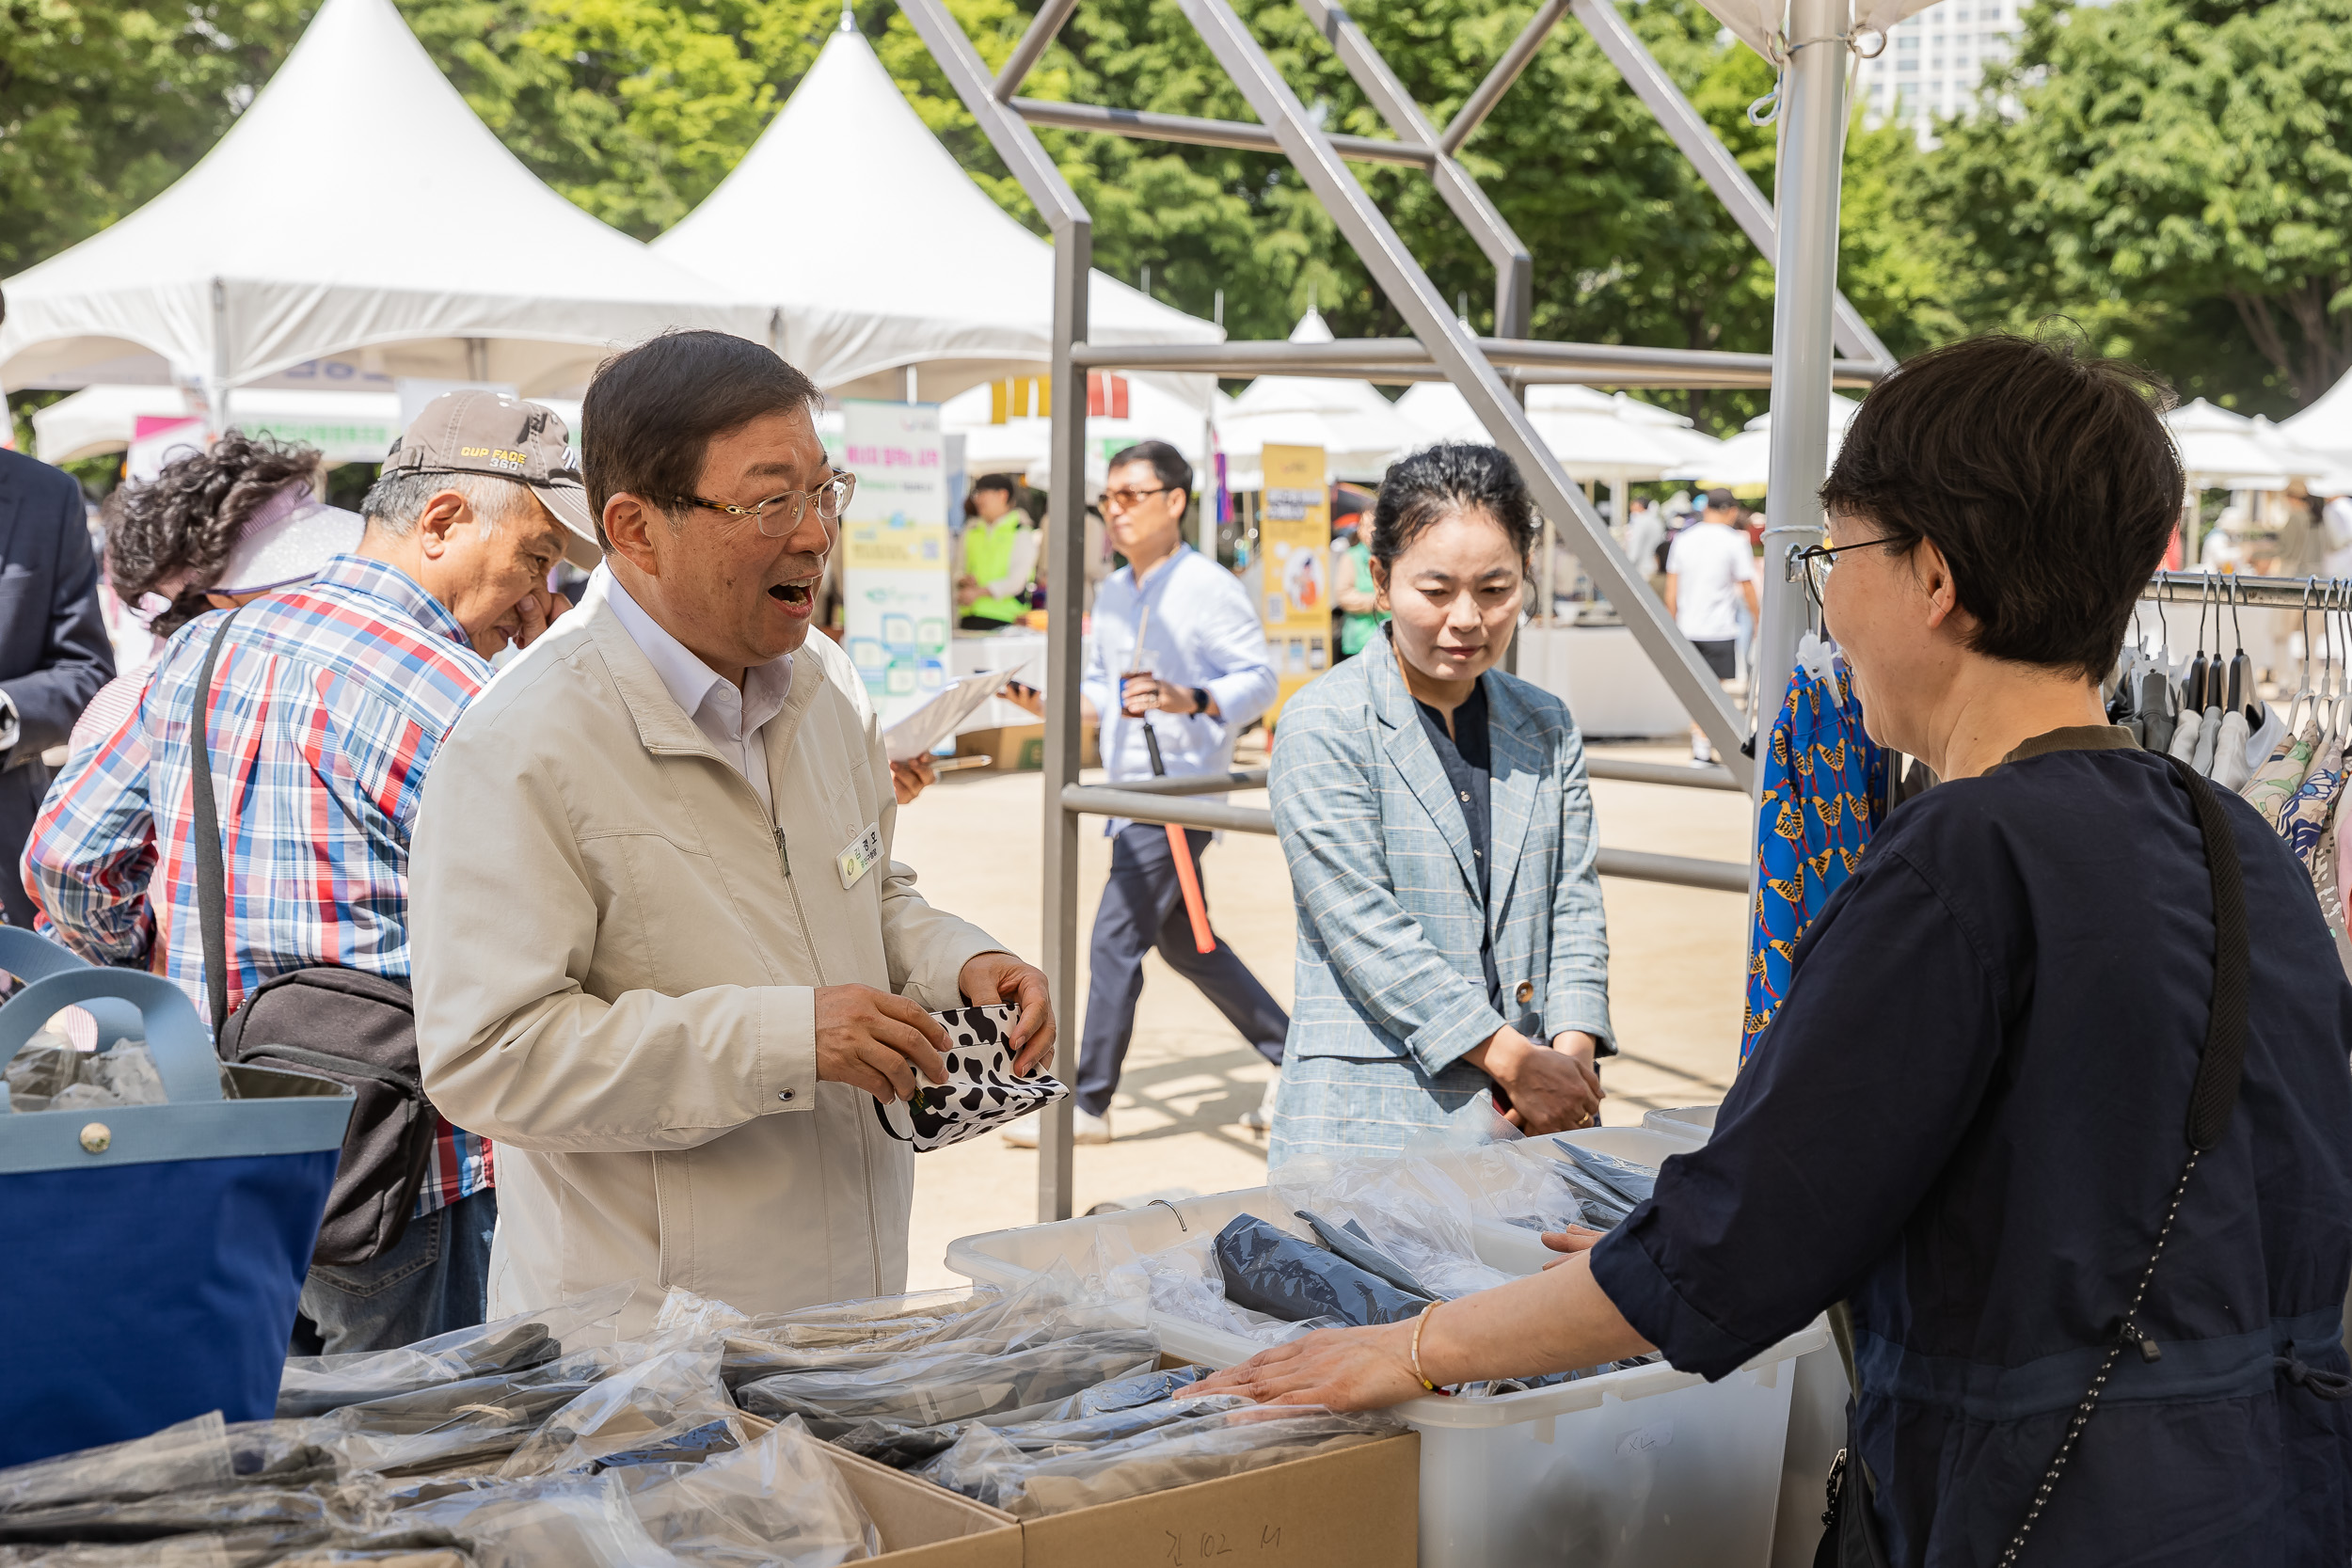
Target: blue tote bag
<point x="154" y="1253"/>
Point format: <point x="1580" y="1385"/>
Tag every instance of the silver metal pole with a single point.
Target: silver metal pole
<point x="1489" y="93"/>
<point x="1150" y="126"/>
<point x="1812" y="149"/>
<point x="1709" y="155"/>
<point x="1026" y="54"/>
<point x="1491" y="402"/>
<point x="1065" y="587"/>
<point x="216" y="395"/>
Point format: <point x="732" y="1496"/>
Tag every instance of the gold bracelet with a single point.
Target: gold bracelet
<point x="1420" y="1320"/>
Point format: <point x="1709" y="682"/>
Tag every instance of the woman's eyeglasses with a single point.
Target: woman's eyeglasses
<point x="780" y="515"/>
<point x="1818" y="558"/>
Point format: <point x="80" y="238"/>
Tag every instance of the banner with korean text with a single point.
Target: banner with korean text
<point x="1293" y="563"/>
<point x="893" y="552"/>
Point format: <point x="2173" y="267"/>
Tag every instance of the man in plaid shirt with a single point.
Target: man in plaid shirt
<point x="329" y="702"/>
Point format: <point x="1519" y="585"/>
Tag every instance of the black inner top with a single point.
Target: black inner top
<point x="1469" y="763"/>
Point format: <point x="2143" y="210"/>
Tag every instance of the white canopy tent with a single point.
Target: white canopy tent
<point x="924" y="271"/>
<point x="2222" y="450"/>
<point x="346" y="427"/>
<point x="1612" y="439"/>
<point x="2325" y="429"/>
<point x="1360" y="430"/>
<point x="1746" y="459"/>
<point x="449" y="259"/>
<point x="1020" y="445"/>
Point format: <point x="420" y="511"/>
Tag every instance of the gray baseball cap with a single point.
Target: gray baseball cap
<point x="506" y="437"/>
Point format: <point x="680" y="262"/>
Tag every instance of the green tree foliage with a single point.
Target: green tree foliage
<point x="2178" y="180"/>
<point x="103" y="103"/>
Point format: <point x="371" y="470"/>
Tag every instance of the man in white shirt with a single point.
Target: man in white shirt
<point x="1201" y="672"/>
<point x="663" y="954"/>
<point x="1710" y="572"/>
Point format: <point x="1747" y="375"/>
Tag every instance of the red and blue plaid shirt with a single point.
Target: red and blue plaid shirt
<point x="328" y="706"/>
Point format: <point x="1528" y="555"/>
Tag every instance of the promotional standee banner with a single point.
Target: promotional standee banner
<point x="893" y="552"/>
<point x="1294" y="567"/>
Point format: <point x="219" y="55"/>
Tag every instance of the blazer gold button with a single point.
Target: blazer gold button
<point x="96" y="1139"/>
<point x="1527" y="991"/>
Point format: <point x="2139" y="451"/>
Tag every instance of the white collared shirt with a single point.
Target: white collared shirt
<point x="732" y="720"/>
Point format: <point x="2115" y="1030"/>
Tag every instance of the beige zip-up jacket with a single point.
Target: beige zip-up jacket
<point x="616" y="953"/>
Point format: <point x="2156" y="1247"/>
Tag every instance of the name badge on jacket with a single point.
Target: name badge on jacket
<point x="859" y="858"/>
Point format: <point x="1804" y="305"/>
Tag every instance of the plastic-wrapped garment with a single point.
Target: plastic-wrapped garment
<point x="855" y="1322"/>
<point x="899" y="1445"/>
<point x="907" y="1448"/>
<point x="1273" y="1271"/>
<point x="1184" y="1282"/>
<point x="927" y="1387"/>
<point x="656" y="1403"/>
<point x="194" y="1455"/>
<point x="314" y="1385"/>
<point x="1053" y="1306"/>
<point x="1623" y="1177"/>
<point x="298" y="1517"/>
<point x="990" y="1468"/>
<point x="1423" y="1209"/>
<point x="1350" y="1241"/>
<point x="779" y="1499"/>
<point x="458" y="1423"/>
<point x="239" y="1549"/>
<point x="1604" y="1208"/>
<point x="60" y="1078"/>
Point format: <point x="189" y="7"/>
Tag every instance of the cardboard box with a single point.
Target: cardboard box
<point x="1356" y="1508"/>
<point x="924" y="1526"/>
<point x="1021" y="748"/>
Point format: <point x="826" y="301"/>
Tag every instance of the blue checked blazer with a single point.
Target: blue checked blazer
<point x="1386" y="890"/>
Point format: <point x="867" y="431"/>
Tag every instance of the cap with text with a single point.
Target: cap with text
<point x="476" y="432"/>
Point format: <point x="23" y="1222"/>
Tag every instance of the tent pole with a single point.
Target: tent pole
<point x="1065" y="583"/>
<point x="216" y="395"/>
<point x="1812" y="150"/>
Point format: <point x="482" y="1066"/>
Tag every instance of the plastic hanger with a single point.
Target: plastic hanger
<point x="2306" y="692"/>
<point x="2194" y="698"/>
<point x="2242" y="683"/>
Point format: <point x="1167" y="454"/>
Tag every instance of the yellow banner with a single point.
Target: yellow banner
<point x="1294" y="568"/>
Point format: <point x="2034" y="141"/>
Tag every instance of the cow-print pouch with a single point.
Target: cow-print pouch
<point x="981" y="1093"/>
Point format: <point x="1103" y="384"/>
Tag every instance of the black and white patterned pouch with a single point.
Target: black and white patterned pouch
<point x="981" y="1093"/>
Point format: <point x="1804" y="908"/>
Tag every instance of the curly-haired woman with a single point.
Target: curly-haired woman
<point x="215" y="529"/>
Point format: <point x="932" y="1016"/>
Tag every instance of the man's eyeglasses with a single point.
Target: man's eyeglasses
<point x="780" y="515"/>
<point x="1818" y="558"/>
<point x="1125" y="500"/>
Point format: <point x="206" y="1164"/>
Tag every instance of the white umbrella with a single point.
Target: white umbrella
<point x="1746" y="459"/>
<point x="1360" y="430"/>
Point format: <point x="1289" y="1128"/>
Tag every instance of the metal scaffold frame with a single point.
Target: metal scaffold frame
<point x="1489" y="372"/>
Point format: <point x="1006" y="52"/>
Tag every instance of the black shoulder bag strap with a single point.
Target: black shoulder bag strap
<point x="212" y="874"/>
<point x="2220" y="1067"/>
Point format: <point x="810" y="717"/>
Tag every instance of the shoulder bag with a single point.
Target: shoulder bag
<point x="1852" y="1537"/>
<point x="341" y="1024"/>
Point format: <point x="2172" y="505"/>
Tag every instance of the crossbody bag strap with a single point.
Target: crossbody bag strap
<point x="2220" y="1067"/>
<point x="212" y="873"/>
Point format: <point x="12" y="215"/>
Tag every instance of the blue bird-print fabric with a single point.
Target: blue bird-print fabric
<point x="1824" y="782"/>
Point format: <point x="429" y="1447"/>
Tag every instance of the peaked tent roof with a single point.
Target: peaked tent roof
<point x="2326" y="426"/>
<point x="1359" y="430"/>
<point x="1594" y="435"/>
<point x="921" y="267"/>
<point x="241" y="268"/>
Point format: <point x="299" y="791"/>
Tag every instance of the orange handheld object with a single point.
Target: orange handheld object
<point x="1190" y="879"/>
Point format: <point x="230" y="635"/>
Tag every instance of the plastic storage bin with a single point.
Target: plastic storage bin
<point x="1644" y="1468"/>
<point x="1693" y="1122"/>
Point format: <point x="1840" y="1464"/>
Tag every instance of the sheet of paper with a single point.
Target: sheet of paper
<point x="936" y="720"/>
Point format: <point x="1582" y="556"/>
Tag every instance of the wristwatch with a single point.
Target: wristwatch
<point x="1201" y="701"/>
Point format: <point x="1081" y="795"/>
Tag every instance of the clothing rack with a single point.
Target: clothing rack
<point x="2248" y="593"/>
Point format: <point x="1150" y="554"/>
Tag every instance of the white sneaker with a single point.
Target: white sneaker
<point x="1261" y="1118"/>
<point x="1084" y="1129"/>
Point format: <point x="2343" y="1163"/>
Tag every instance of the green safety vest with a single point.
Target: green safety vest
<point x="987" y="557"/>
<point x="1359" y="632"/>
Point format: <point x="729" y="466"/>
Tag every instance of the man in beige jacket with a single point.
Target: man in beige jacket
<point x="663" y="958"/>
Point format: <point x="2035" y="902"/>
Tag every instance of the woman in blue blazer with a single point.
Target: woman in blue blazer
<point x="1452" y="956"/>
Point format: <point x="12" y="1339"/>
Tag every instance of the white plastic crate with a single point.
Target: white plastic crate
<point x="1695" y="1123"/>
<point x="1643" y="1468"/>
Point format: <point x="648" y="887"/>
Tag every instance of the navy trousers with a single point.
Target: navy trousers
<point x="1143" y="907"/>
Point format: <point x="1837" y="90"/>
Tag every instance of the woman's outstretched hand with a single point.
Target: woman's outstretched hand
<point x="1340" y="1368"/>
<point x="1574" y="1239"/>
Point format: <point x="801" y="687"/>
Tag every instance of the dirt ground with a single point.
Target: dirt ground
<point x="1675" y="990"/>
